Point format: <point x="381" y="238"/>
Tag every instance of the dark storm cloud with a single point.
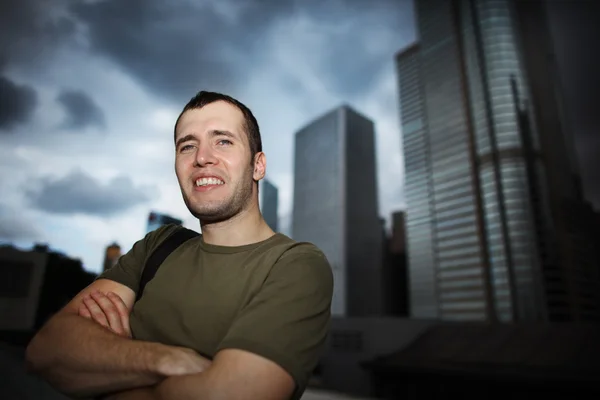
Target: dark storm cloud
<point x="176" y="48"/>
<point x="78" y="193"/>
<point x="81" y="110"/>
<point x="17" y="103"/>
<point x="30" y="31"/>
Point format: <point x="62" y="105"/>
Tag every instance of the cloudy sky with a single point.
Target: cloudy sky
<point x="89" y="91"/>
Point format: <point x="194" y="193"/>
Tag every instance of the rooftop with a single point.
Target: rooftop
<point x="564" y="351"/>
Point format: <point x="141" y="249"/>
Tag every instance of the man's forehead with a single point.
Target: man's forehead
<point x="215" y="116"/>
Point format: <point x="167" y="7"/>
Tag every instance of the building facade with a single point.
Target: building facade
<point x="111" y="256"/>
<point x="335" y="206"/>
<point x="156" y="220"/>
<point x="489" y="167"/>
<point x="396" y="274"/>
<point x="23" y="273"/>
<point x="269" y="203"/>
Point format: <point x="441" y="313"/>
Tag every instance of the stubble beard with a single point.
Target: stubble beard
<point x="225" y="209"/>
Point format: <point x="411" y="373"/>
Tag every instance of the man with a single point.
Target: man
<point x="240" y="312"/>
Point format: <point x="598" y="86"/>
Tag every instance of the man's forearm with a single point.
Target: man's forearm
<point x="209" y="385"/>
<point x="193" y="387"/>
<point x="234" y="374"/>
<point x="81" y="358"/>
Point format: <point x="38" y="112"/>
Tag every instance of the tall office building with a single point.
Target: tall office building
<point x="156" y="220"/>
<point x="269" y="203"/>
<point x="111" y="256"/>
<point x="336" y="208"/>
<point x="395" y="286"/>
<point x="491" y="176"/>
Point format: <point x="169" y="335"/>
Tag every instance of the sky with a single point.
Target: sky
<point x="90" y="90"/>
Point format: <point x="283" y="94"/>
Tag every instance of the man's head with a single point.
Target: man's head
<point x="219" y="158"/>
<point x="250" y="124"/>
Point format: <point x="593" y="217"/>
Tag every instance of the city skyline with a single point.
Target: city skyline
<point x="108" y="99"/>
<point x="490" y="165"/>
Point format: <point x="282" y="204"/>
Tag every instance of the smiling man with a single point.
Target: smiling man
<point x="239" y="312"/>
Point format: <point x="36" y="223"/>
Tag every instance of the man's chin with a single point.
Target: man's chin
<point x="210" y="216"/>
<point x="204" y="221"/>
<point x="209" y="219"/>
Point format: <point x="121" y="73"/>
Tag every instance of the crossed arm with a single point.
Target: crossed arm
<point x="228" y="378"/>
<point x="86" y="350"/>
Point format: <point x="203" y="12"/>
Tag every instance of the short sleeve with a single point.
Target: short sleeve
<point x="128" y="269"/>
<point x="288" y="319"/>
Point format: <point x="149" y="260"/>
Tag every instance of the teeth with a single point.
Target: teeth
<point x="208" y="181"/>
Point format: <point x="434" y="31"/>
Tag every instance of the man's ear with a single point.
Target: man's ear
<point x="260" y="166"/>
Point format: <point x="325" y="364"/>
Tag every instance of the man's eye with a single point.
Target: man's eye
<point x="185" y="148"/>
<point x="225" y="142"/>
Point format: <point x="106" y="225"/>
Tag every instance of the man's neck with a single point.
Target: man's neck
<point x="245" y="228"/>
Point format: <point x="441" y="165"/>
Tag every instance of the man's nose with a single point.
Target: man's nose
<point x="205" y="155"/>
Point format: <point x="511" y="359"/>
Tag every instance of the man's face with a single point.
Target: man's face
<point x="213" y="162"/>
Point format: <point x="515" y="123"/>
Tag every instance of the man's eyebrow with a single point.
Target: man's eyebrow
<point x="218" y="132"/>
<point x="184" y="139"/>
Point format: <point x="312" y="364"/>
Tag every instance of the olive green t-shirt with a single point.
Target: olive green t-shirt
<point x="271" y="298"/>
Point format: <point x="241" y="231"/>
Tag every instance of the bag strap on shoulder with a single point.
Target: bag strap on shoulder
<point x="159" y="255"/>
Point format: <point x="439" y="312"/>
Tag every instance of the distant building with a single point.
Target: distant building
<point x="269" y="203"/>
<point x="354" y="341"/>
<point x="64" y="278"/>
<point x="400" y="358"/>
<point x="111" y="256"/>
<point x="335" y="206"/>
<point x="395" y="281"/>
<point x="489" y="361"/>
<point x="34" y="285"/>
<point x="398" y="234"/>
<point x="156" y="220"/>
<point x="491" y="177"/>
<point x="22" y="275"/>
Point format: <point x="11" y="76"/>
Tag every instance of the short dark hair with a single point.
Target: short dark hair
<point x="203" y="98"/>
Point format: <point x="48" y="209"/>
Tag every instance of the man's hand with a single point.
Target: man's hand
<point x="108" y="310"/>
<point x="183" y="361"/>
<point x="235" y="374"/>
<point x="81" y="358"/>
<point x="102" y="357"/>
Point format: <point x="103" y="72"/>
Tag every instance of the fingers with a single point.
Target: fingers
<point x="84" y="311"/>
<point x="122" y="310"/>
<point x="109" y="309"/>
<point x="102" y="310"/>
<point x="93" y="308"/>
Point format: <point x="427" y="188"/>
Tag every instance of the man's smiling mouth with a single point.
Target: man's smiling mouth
<point x="208" y="181"/>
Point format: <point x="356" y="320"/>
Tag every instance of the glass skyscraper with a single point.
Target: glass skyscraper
<point x="269" y="203"/>
<point x="336" y="207"/>
<point x="489" y="168"/>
